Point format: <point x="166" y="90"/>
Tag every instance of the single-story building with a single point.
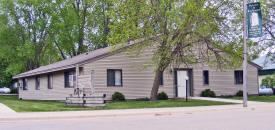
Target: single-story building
<point x="268" y="67"/>
<point x="105" y="72"/>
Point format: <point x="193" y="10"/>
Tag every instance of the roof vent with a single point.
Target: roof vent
<point x="87" y="53"/>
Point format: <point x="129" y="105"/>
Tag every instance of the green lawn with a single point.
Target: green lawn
<point x="42" y="106"/>
<point x="257" y="98"/>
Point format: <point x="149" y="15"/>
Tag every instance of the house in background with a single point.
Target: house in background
<point x="268" y="67"/>
<point x="105" y="72"/>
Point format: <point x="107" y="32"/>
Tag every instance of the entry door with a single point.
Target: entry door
<point x="92" y="81"/>
<point x="182" y="83"/>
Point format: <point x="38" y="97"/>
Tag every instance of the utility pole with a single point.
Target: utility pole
<point x="244" y="54"/>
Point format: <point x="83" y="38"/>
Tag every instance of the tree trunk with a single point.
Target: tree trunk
<point x="155" y="88"/>
<point x="106" y="21"/>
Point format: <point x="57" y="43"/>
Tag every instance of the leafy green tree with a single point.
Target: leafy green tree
<point x="269" y="81"/>
<point x="25" y="34"/>
<point x="5" y="77"/>
<point x="188" y="32"/>
<point x="267" y="42"/>
<point x="70" y="19"/>
<point x="79" y="26"/>
<point x="34" y="33"/>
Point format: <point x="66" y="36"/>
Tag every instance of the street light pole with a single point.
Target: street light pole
<point x="245" y="54"/>
<point x="186" y="83"/>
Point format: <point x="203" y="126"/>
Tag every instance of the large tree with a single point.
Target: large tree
<point x="187" y="31"/>
<point x="79" y="26"/>
<point x="5" y="77"/>
<point x="34" y="33"/>
<point x="267" y="41"/>
<point x="24" y="34"/>
<point x="257" y="46"/>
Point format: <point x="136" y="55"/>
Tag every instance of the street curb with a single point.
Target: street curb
<point x="126" y="112"/>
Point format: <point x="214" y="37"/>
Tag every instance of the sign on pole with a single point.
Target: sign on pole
<point x="254" y="20"/>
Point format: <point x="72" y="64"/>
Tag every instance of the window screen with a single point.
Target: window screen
<point x="238" y="74"/>
<point x="37" y="83"/>
<point x="25" y="84"/>
<point x="50" y="81"/>
<point x="69" y="79"/>
<point x="114" y="77"/>
<point x="205" y="77"/>
<point x="161" y="79"/>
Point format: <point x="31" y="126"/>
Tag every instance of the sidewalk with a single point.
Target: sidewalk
<point x="5" y="110"/>
<point x="229" y="100"/>
<point x="129" y="112"/>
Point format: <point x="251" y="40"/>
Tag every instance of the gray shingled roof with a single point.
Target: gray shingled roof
<point x="72" y="62"/>
<point x="65" y="64"/>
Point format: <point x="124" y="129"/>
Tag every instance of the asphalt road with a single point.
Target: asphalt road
<point x="243" y="119"/>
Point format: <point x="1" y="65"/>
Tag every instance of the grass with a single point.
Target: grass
<point x="43" y="106"/>
<point x="257" y="98"/>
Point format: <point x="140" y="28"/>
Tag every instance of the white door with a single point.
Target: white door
<point x="182" y="77"/>
<point x="92" y="81"/>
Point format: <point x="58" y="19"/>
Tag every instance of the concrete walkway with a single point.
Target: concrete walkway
<point x="8" y="114"/>
<point x="4" y="110"/>
<point x="128" y="112"/>
<point x="253" y="103"/>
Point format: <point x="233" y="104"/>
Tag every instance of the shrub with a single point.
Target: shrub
<point x="14" y="90"/>
<point x="208" y="93"/>
<point x="269" y="81"/>
<point x="143" y="99"/>
<point x="117" y="96"/>
<point x="162" y="96"/>
<point x="239" y="93"/>
<point x="226" y="96"/>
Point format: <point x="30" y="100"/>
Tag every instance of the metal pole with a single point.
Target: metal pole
<point x="245" y="54"/>
<point x="76" y="78"/>
<point x="186" y="91"/>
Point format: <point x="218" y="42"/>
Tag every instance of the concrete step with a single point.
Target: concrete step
<point x="94" y="105"/>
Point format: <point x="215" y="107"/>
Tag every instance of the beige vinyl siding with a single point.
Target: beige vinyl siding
<point x="57" y="93"/>
<point x="223" y="82"/>
<point x="137" y="83"/>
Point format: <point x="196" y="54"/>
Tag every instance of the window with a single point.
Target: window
<point x="37" y="82"/>
<point x="50" y="81"/>
<point x="205" y="77"/>
<point x="238" y="74"/>
<point x="69" y="79"/>
<point x="114" y="77"/>
<point x="161" y="79"/>
<point x="25" y="82"/>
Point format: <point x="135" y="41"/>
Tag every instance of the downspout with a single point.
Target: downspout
<point x="77" y="74"/>
<point x="77" y="91"/>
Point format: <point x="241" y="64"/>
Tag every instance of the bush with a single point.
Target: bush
<point x="269" y="81"/>
<point x="117" y="96"/>
<point x="143" y="99"/>
<point x="14" y="90"/>
<point x="226" y="96"/>
<point x="162" y="96"/>
<point x="208" y="93"/>
<point x="239" y="93"/>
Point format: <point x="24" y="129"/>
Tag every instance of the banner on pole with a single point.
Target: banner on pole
<point x="254" y="20"/>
